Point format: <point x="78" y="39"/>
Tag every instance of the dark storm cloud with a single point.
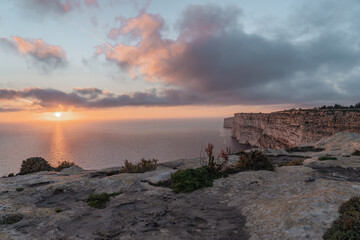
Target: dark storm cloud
<point x="215" y="59"/>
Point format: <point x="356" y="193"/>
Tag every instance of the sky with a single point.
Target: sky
<point x="115" y="59"/>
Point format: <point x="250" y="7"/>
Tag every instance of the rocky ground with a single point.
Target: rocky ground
<point x="295" y="202"/>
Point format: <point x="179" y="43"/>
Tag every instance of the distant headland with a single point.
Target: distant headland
<point x="293" y="127"/>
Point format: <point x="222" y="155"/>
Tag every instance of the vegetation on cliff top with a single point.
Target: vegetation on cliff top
<point x="191" y="179"/>
<point x="356" y="153"/>
<point x="324" y="158"/>
<point x="347" y="226"/>
<point x="101" y="199"/>
<point x="35" y="164"/>
<point x="11" y="219"/>
<point x="38" y="164"/>
<point x="142" y="166"/>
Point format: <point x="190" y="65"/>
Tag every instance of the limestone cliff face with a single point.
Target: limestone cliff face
<point x="292" y="127"/>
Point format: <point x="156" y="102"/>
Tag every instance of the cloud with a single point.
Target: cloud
<point x="9" y="109"/>
<point x="214" y="58"/>
<point x="92" y="92"/>
<point x="58" y="7"/>
<point x="91" y="3"/>
<point x="90" y="98"/>
<point x="47" y="57"/>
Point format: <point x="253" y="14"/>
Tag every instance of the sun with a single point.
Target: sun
<point x="57" y="114"/>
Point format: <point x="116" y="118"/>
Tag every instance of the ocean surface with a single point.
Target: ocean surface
<point x="98" y="145"/>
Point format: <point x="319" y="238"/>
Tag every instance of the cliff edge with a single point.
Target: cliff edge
<point x="292" y="127"/>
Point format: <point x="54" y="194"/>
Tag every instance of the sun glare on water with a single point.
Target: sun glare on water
<point x="57" y="114"/>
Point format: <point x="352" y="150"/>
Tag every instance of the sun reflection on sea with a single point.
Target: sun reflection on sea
<point x="58" y="147"/>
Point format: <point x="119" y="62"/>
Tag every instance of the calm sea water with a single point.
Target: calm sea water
<point x="107" y="144"/>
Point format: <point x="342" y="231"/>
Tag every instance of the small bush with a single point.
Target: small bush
<point x="210" y="162"/>
<point x="324" y="158"/>
<point x="356" y="153"/>
<point x="63" y="165"/>
<point x="11" y="218"/>
<point x="254" y="160"/>
<point x="58" y="190"/>
<point x="11" y="175"/>
<point x="304" y="149"/>
<point x="191" y="179"/>
<point x="100" y="200"/>
<point x="140" y="167"/>
<point x="347" y="226"/>
<point x="34" y="164"/>
<point x="295" y="162"/>
<point x="20" y="189"/>
<point x="58" y="210"/>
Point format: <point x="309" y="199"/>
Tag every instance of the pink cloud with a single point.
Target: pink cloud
<point x="38" y="48"/>
<point x="48" y="56"/>
<point x="151" y="53"/>
<point x="91" y="3"/>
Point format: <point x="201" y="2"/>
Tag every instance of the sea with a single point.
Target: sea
<point x="98" y="145"/>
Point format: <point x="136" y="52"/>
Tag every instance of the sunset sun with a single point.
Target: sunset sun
<point x="57" y="114"/>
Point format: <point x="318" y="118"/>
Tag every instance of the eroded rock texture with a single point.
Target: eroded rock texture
<point x="291" y="128"/>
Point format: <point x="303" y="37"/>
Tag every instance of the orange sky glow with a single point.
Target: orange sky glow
<point x="136" y="113"/>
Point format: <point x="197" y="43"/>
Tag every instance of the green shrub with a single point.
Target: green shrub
<point x="324" y="158"/>
<point x="58" y="210"/>
<point x="11" y="218"/>
<point x="34" y="164"/>
<point x="20" y="189"/>
<point x="356" y="153"/>
<point x="101" y="199"/>
<point x="254" y="160"/>
<point x="140" y="167"/>
<point x="347" y="226"/>
<point x="295" y="162"/>
<point x="191" y="179"/>
<point x="11" y="175"/>
<point x="58" y="190"/>
<point x="63" y="165"/>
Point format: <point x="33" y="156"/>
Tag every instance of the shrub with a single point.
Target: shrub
<point x="11" y="218"/>
<point x="295" y="162"/>
<point x="58" y="210"/>
<point x="140" y="167"/>
<point x="100" y="200"/>
<point x="304" y="149"/>
<point x="210" y="162"/>
<point x="63" y="165"/>
<point x="34" y="164"/>
<point x="324" y="158"/>
<point x="347" y="226"/>
<point x="20" y="189"/>
<point x="11" y="175"/>
<point x="191" y="179"/>
<point x="58" y="190"/>
<point x="356" y="153"/>
<point x="254" y="160"/>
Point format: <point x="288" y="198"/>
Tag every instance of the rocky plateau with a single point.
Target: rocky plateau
<point x="292" y="202"/>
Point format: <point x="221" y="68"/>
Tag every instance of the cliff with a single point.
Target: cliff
<point x="291" y="128"/>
